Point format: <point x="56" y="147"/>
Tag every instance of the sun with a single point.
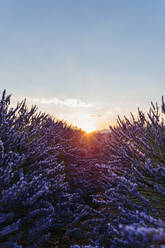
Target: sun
<point x="88" y="127"/>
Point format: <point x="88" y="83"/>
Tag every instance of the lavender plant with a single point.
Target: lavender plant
<point x="130" y="211"/>
<point x="59" y="187"/>
<point x="35" y="200"/>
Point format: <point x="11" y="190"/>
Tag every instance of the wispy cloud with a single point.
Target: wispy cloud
<point x="68" y="102"/>
<point x="96" y="115"/>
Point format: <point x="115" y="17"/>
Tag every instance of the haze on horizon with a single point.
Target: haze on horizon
<point x="83" y="61"/>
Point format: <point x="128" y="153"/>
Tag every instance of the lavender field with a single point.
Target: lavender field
<point x="60" y="187"/>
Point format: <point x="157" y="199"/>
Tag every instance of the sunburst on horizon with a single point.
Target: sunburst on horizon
<point x="88" y="126"/>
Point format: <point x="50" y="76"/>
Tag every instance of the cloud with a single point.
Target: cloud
<point x="68" y="102"/>
<point x="96" y="115"/>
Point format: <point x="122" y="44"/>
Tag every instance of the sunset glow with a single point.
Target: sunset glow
<point x="88" y="126"/>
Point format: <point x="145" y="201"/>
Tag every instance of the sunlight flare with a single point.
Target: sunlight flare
<point x="88" y="126"/>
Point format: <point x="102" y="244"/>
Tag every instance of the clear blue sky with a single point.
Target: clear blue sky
<point x="83" y="60"/>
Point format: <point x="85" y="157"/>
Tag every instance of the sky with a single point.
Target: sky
<point x="83" y="61"/>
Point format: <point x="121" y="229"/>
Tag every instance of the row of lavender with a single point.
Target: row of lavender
<point x="35" y="199"/>
<point x="54" y="193"/>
